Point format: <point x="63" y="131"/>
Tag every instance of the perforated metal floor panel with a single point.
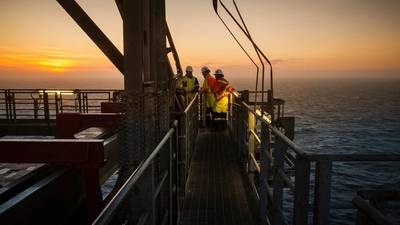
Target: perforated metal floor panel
<point x="216" y="192"/>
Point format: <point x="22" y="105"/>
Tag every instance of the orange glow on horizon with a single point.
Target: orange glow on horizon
<point x="56" y="65"/>
<point x="54" y="62"/>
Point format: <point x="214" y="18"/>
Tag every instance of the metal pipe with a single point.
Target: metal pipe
<point x="258" y="55"/>
<point x="191" y="103"/>
<point x="253" y="159"/>
<point x="215" y="3"/>
<point x="255" y="136"/>
<point x="240" y="45"/>
<point x="287" y="180"/>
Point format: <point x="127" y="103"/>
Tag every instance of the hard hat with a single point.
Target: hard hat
<point x="205" y="69"/>
<point x="219" y="72"/>
<point x="189" y="69"/>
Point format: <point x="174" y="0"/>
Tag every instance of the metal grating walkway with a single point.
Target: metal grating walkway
<point x="216" y="192"/>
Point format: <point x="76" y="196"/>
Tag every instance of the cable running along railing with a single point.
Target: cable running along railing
<point x="261" y="56"/>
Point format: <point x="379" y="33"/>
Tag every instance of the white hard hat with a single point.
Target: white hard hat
<point x="205" y="69"/>
<point x="189" y="69"/>
<point x="219" y="72"/>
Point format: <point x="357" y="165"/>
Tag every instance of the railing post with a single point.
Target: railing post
<point x="243" y="130"/>
<point x="301" y="195"/>
<point x="188" y="144"/>
<point x="56" y="101"/>
<point x="61" y="103"/>
<point x="46" y="105"/>
<point x="181" y="156"/>
<point x="264" y="173"/>
<point x="6" y="99"/>
<point x="142" y="201"/>
<point x="9" y="104"/>
<point x="251" y="143"/>
<point x="270" y="105"/>
<point x="171" y="210"/>
<point x="202" y="110"/>
<point x="14" y="107"/>
<point x="175" y="173"/>
<point x="87" y="102"/>
<point x="79" y="101"/>
<point x="163" y="203"/>
<point x="278" y="183"/>
<point x="322" y="192"/>
<point x="35" y="109"/>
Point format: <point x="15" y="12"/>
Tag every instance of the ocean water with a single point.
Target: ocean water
<point x="343" y="116"/>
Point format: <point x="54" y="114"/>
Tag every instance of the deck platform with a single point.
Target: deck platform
<point x="217" y="192"/>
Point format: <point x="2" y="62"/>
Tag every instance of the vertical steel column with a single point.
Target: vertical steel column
<point x="158" y="48"/>
<point x="133" y="147"/>
<point x="322" y="192"/>
<point x="133" y="35"/>
<point x="301" y="195"/>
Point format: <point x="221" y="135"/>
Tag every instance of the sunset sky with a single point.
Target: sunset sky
<point x="41" y="46"/>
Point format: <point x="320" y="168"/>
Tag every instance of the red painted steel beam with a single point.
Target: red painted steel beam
<point x="68" y="124"/>
<point x="106" y="120"/>
<point x="81" y="153"/>
<point x="112" y="107"/>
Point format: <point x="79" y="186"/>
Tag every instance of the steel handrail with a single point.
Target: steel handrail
<point x="274" y="167"/>
<point x="191" y="103"/>
<point x="106" y="215"/>
<point x="50" y="101"/>
<point x="277" y="132"/>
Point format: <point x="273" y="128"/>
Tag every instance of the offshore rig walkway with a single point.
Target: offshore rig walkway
<point x="217" y="192"/>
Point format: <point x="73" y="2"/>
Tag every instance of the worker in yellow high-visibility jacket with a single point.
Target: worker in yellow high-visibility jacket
<point x="192" y="85"/>
<point x="221" y="92"/>
<point x="207" y="91"/>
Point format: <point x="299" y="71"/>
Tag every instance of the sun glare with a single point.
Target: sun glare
<point x="55" y="65"/>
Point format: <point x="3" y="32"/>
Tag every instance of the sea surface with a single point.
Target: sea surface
<point x="344" y="116"/>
